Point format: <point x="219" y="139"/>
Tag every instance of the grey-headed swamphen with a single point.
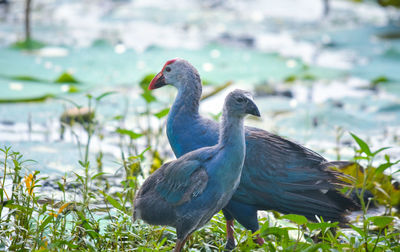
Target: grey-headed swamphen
<point x="277" y="174"/>
<point x="187" y="192"/>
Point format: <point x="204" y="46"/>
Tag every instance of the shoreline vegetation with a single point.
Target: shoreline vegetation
<point x="93" y="210"/>
<point x="328" y="69"/>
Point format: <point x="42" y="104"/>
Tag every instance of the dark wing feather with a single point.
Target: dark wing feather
<point x="181" y="180"/>
<point x="290" y="178"/>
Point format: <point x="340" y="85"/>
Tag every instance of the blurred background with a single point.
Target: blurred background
<point x="318" y="69"/>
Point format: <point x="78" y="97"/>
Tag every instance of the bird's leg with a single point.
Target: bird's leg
<point x="180" y="244"/>
<point x="230" y="244"/>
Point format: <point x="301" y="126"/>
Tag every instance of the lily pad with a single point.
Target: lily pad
<point x="30" y="91"/>
<point x="28" y="45"/>
<point x="66" y="78"/>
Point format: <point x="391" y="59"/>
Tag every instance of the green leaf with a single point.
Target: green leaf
<point x="113" y="201"/>
<point x="61" y="186"/>
<point x="79" y="177"/>
<point x="162" y="113"/>
<point x="381" y="149"/>
<point x="381" y="221"/>
<point x="321" y="225"/>
<point x="363" y="146"/>
<point x="85" y="223"/>
<point x="358" y="230"/>
<point x="66" y="78"/>
<point x="141" y="155"/>
<point x="129" y="133"/>
<point x="98" y="98"/>
<point x="45" y="222"/>
<point x="97" y="175"/>
<point x="298" y="219"/>
<point x="379" y="79"/>
<point x="19" y="207"/>
<point x="381" y="168"/>
<point x="277" y="231"/>
<point x="148" y="97"/>
<point x="144" y="83"/>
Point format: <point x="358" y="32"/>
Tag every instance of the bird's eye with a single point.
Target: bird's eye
<point x="240" y="100"/>
<point x="168" y="69"/>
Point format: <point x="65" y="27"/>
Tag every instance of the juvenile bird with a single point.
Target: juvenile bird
<point x="187" y="192"/>
<point x="278" y="174"/>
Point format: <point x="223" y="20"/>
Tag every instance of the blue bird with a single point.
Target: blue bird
<point x="187" y="192"/>
<point x="277" y="174"/>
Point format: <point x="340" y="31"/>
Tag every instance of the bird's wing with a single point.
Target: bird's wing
<point x="288" y="177"/>
<point x="182" y="180"/>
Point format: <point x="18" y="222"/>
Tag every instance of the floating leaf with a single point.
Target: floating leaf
<point x="73" y="89"/>
<point x="28" y="45"/>
<point x="66" y="78"/>
<point x="290" y="78"/>
<point x="26" y="78"/>
<point x="309" y="77"/>
<point x="33" y="99"/>
<point x="380" y="79"/>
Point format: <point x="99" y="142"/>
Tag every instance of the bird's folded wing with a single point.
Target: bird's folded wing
<point x="290" y="178"/>
<point x="182" y="180"/>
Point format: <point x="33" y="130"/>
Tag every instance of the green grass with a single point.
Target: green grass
<point x="98" y="220"/>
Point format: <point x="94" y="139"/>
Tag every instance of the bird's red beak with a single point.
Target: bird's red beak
<point x="157" y="82"/>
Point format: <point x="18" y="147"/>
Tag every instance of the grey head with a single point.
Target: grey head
<point x="179" y="73"/>
<point x="239" y="103"/>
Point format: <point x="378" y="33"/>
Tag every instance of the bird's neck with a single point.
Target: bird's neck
<point x="188" y="98"/>
<point x="232" y="150"/>
<point x="183" y="115"/>
<point x="232" y="132"/>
